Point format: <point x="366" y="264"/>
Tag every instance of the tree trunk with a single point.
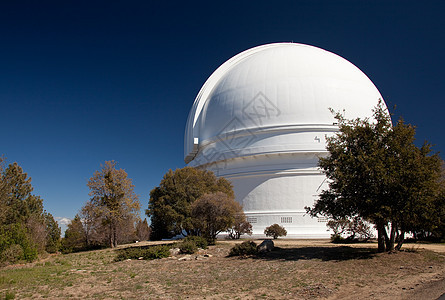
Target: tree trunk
<point x="392" y="238"/>
<point x="401" y="239"/>
<point x="381" y="236"/>
<point x="110" y="235"/>
<point x="115" y="236"/>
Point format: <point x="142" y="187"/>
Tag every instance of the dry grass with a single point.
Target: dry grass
<point x="296" y="270"/>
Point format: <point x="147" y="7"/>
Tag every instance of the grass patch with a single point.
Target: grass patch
<point x="291" y="272"/>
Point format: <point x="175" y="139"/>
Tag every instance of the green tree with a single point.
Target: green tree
<point x="113" y="195"/>
<point x="376" y="173"/>
<point x="52" y="233"/>
<point x="214" y="213"/>
<point x="22" y="218"/>
<point x="275" y="231"/>
<point x="170" y="203"/>
<point x="74" y="239"/>
<point x="18" y="200"/>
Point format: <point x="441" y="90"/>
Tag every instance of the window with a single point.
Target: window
<point x="252" y="220"/>
<point x="286" y="219"/>
<point x="322" y="219"/>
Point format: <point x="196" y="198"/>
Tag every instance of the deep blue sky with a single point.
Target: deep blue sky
<point x="82" y="82"/>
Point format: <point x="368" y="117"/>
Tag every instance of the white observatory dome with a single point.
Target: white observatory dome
<point x="261" y="121"/>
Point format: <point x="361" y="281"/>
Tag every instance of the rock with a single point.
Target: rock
<point x="140" y="258"/>
<point x="266" y="246"/>
<point x="187" y="257"/>
<point x="174" y="251"/>
<point x="208" y="255"/>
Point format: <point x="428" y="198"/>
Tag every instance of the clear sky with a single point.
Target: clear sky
<point x="82" y="82"/>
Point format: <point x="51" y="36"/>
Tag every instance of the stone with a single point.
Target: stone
<point x="175" y="251"/>
<point x="266" y="246"/>
<point x="184" y="258"/>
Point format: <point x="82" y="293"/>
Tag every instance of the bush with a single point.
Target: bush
<point x="356" y="229"/>
<point x="275" y="231"/>
<point x="336" y="238"/>
<point x="245" y="248"/>
<point x="188" y="247"/>
<point x="152" y="252"/>
<point x="12" y="254"/>
<point x="16" y="234"/>
<point x="199" y="241"/>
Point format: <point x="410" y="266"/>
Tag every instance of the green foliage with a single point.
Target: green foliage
<point x="9" y="296"/>
<point x="74" y="239"/>
<point x="147" y="253"/>
<point x="199" y="241"/>
<point x="275" y="231"/>
<point x="376" y="173"/>
<point x="52" y="234"/>
<point x="245" y="248"/>
<point x="25" y="229"/>
<point x="170" y="203"/>
<point x="188" y="247"/>
<point x="12" y="254"/>
<point x="190" y="244"/>
<point x="16" y="235"/>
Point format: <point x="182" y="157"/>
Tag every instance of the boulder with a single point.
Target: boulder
<point x="174" y="251"/>
<point x="266" y="246"/>
<point x="185" y="258"/>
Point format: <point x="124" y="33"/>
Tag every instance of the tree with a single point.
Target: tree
<point x="170" y="203"/>
<point x="214" y="213"/>
<point x="142" y="230"/>
<point x="275" y="231"/>
<point x="356" y="228"/>
<point x="240" y="227"/>
<point x="376" y="173"/>
<point x="52" y="233"/>
<point x="19" y="201"/>
<point x="74" y="239"/>
<point x="23" y="222"/>
<point x="113" y="197"/>
<point x="92" y="225"/>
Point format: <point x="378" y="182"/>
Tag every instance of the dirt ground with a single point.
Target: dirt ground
<point x="297" y="269"/>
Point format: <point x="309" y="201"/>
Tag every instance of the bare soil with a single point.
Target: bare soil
<point x="297" y="269"/>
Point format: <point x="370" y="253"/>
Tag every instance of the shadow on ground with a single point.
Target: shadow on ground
<point x="324" y="253"/>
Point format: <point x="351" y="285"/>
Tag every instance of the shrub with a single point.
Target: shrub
<point x="199" y="241"/>
<point x="16" y="234"/>
<point x="245" y="248"/>
<point x="356" y="229"/>
<point x="275" y="231"/>
<point x="188" y="247"/>
<point x="336" y="238"/>
<point x="12" y="254"/>
<point x="152" y="252"/>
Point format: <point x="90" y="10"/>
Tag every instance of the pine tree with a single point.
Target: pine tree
<point x="113" y="195"/>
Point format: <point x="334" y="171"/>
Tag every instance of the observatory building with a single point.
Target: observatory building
<point x="261" y="121"/>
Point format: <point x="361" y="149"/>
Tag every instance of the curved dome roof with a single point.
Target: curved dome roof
<point x="276" y="87"/>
